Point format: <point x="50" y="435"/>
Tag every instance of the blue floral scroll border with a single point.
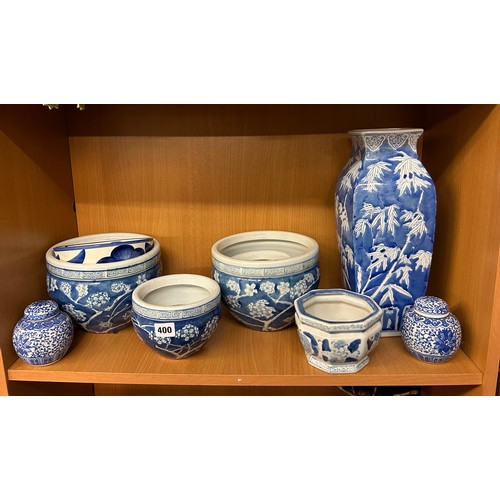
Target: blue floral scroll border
<point x="184" y="314"/>
<point x="104" y="274"/>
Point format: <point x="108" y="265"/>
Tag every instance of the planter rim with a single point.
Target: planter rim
<point x="208" y="284"/>
<point x="311" y="249"/>
<point x="71" y="266"/>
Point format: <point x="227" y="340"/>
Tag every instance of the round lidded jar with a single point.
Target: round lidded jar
<point x="44" y="334"/>
<point x="430" y="332"/>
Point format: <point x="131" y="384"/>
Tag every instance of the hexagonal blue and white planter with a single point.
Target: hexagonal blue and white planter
<point x="338" y="329"/>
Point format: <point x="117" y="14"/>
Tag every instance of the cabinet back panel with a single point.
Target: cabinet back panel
<point x="36" y="208"/>
<point x="191" y="175"/>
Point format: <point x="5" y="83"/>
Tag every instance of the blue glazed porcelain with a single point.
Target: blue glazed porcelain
<point x="430" y="332"/>
<point x="261" y="273"/>
<point x="103" y="248"/>
<point x="338" y="329"/>
<point x="44" y="334"/>
<point x="385" y="205"/>
<point x="176" y="314"/>
<point x="98" y="297"/>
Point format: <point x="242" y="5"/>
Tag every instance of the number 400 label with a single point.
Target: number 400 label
<point x="165" y="329"/>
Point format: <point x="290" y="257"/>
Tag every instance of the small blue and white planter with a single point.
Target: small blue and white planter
<point x="175" y="315"/>
<point x="338" y="329"/>
<point x="430" y="332"/>
<point x="104" y="248"/>
<point x="261" y="273"/>
<point x="98" y="297"/>
<point x="44" y="334"/>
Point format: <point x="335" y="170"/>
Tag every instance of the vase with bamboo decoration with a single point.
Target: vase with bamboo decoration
<point x="385" y="204"/>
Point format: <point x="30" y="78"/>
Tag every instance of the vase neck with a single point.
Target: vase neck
<point x="376" y="141"/>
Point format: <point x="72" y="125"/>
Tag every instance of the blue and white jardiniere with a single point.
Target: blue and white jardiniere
<point x="176" y="314"/>
<point x="261" y="273"/>
<point x="430" y="332"/>
<point x="98" y="297"/>
<point x="385" y="205"/>
<point x="104" y="248"/>
<point x="44" y="334"/>
<point x="338" y="329"/>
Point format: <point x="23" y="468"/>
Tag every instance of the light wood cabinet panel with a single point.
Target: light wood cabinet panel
<point x="189" y="175"/>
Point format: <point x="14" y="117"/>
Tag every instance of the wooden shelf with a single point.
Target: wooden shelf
<point x="192" y="174"/>
<point x="236" y="356"/>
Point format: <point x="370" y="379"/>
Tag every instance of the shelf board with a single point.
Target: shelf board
<point x="237" y="356"/>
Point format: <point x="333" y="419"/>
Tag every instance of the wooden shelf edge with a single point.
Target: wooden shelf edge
<point x="237" y="356"/>
<point x="244" y="381"/>
<point x="18" y="372"/>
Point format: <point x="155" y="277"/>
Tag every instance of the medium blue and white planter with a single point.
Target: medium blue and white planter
<point x="338" y="329"/>
<point x="44" y="334"/>
<point x="261" y="273"/>
<point x="430" y="332"/>
<point x="385" y="204"/>
<point x="98" y="297"/>
<point x="175" y="315"/>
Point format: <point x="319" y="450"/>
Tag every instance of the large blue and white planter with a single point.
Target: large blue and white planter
<point x="98" y="297"/>
<point x="175" y="315"/>
<point x="261" y="273"/>
<point x="385" y="204"/>
<point x="430" y="332"/>
<point x="338" y="329"/>
<point x="44" y="334"/>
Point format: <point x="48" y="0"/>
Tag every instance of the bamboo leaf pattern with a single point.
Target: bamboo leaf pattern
<point x="352" y="169"/>
<point x="382" y="256"/>
<point x="360" y="227"/>
<point x="416" y="222"/>
<point x="403" y="274"/>
<point x="375" y="173"/>
<point x="410" y="172"/>
<point x="388" y="296"/>
<point x="423" y="260"/>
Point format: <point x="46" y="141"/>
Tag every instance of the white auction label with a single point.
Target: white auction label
<point x="165" y="329"/>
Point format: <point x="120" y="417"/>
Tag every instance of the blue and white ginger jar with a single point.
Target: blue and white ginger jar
<point x="430" y="332"/>
<point x="44" y="334"/>
<point x="385" y="203"/>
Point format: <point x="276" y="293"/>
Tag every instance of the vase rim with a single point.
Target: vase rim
<point x="378" y="131"/>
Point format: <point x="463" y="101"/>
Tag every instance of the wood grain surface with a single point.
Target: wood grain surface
<point x="190" y="175"/>
<point x="237" y="356"/>
<point x="462" y="154"/>
<point x="36" y="209"/>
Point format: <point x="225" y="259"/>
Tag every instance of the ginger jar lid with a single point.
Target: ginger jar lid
<point x="41" y="309"/>
<point x="433" y="307"/>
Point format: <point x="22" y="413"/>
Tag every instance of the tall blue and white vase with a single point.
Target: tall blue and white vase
<point x="385" y="205"/>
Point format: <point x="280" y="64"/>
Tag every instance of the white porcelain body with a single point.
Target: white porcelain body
<point x="98" y="297"/>
<point x="261" y="273"/>
<point x="176" y="314"/>
<point x="104" y="248"/>
<point x="338" y="329"/>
